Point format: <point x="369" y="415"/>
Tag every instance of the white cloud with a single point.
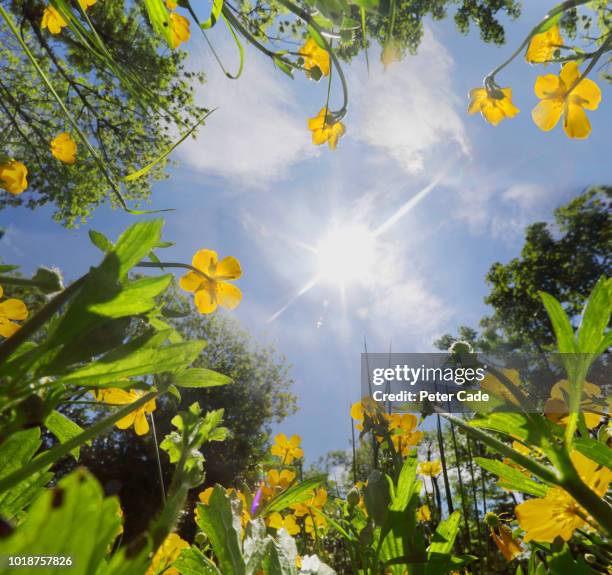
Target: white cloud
<point x="258" y="130"/>
<point x="526" y="195"/>
<point x="410" y="109"/>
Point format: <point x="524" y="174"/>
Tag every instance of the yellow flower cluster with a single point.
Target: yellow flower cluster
<point x="430" y="468"/>
<point x="401" y="427"/>
<point x="166" y="555"/>
<point x="287" y="450"/>
<point x="557" y="409"/>
<point x="11" y="309"/>
<point x="567" y="95"/>
<point x="211" y="283"/>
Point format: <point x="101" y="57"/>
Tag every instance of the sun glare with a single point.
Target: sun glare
<point x="346" y="254"/>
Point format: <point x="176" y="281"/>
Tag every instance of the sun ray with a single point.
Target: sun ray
<point x="313" y="282"/>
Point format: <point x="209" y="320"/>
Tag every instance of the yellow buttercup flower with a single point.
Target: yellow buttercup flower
<point x="53" y="20"/>
<point x="423" y="513"/>
<point x="11" y="309"/>
<point x="367" y="406"/>
<point x="543" y="46"/>
<point x="430" y="468"/>
<point x="64" y="148"/>
<point x="505" y="541"/>
<point x="558" y="514"/>
<point x="325" y="128"/>
<point x="138" y="417"/>
<point x="557" y="409"/>
<point x="495" y="387"/>
<point x="166" y="555"/>
<point x="13" y="177"/>
<point x="86" y="3"/>
<point x="212" y="288"/>
<point x="278" y="481"/>
<point x="315" y="57"/>
<point x="287" y="449"/>
<point x="277" y="521"/>
<point x="318" y="500"/>
<point x="179" y="29"/>
<point x="314" y="523"/>
<point x="567" y="95"/>
<point x="171" y="4"/>
<point x="493" y="107"/>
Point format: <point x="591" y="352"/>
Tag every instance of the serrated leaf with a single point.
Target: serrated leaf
<point x="512" y="478"/>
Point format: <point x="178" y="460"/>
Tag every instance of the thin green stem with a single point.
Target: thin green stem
<point x="158" y="459"/>
<point x="568" y="5"/>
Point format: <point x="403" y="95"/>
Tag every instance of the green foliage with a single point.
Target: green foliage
<point x="220" y="520"/>
<point x="73" y="520"/>
<point x="105" y="95"/>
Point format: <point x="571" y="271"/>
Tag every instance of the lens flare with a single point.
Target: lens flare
<point x="346" y="254"/>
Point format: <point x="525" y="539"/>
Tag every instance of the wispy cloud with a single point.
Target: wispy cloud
<point x="258" y="131"/>
<point x="409" y="110"/>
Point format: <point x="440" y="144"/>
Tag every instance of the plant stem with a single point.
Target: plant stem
<point x="158" y="459"/>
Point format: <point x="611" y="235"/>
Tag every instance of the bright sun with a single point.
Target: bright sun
<point x="346" y="254"/>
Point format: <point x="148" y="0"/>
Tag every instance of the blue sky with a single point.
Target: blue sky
<point x="253" y="186"/>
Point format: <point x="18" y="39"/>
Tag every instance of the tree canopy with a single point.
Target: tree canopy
<point x="109" y="110"/>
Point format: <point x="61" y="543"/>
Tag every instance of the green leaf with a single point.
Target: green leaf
<point x="192" y="561"/>
<point x="562" y="563"/>
<point x="118" y="365"/>
<point x="406" y="484"/>
<point x="595" y="317"/>
<point x="63" y="428"/>
<point x="99" y="240"/>
<point x="15" y="452"/>
<point x="7" y="268"/>
<point x="135" y="243"/>
<point x="71" y="520"/>
<point x="221" y="522"/>
<point x="566" y="342"/>
<point x="158" y="16"/>
<point x="200" y="377"/>
<point x="439" y="552"/>
<point x="135" y="297"/>
<point x="297" y="493"/>
<point x="512" y="478"/>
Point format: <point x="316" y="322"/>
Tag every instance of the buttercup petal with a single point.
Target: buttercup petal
<point x="548" y="86"/>
<point x="8" y="328"/>
<point x="141" y="425"/>
<point x="547" y="113"/>
<point x="229" y="268"/>
<point x="13" y="309"/>
<point x="576" y="124"/>
<point x="228" y="295"/>
<point x="127" y="421"/>
<point x="205" y="300"/>
<point x="569" y="73"/>
<point x="191" y="281"/>
<point x="587" y="93"/>
<point x="205" y="261"/>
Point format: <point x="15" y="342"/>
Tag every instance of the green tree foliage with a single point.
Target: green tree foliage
<point x="564" y="258"/>
<point x="126" y="134"/>
<point x="385" y="20"/>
